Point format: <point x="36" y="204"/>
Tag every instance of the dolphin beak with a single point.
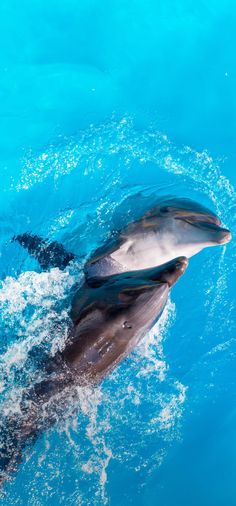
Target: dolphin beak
<point x="167" y="273"/>
<point x="176" y="268"/>
<point x="225" y="236"/>
<point x="217" y="234"/>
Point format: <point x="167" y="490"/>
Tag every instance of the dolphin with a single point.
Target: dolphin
<point x="173" y="227"/>
<point x="109" y="318"/>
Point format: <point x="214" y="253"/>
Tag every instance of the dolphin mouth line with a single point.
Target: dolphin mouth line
<point x="215" y="226"/>
<point x="201" y="218"/>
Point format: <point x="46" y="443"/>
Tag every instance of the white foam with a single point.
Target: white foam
<point x="42" y="324"/>
<point x="151" y="347"/>
<point x="172" y="407"/>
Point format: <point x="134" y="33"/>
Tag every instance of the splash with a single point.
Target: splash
<point x="87" y="155"/>
<point x="151" y="348"/>
<point x="171" y="409"/>
<point x="32" y="307"/>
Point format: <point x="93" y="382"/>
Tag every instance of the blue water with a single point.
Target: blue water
<point x="102" y="103"/>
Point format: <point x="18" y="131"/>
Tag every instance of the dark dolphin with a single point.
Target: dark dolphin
<point x="109" y="319"/>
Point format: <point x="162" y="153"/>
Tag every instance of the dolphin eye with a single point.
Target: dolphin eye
<point x="127" y="325"/>
<point x="164" y="210"/>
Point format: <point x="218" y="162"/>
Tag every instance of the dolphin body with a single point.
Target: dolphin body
<point x="110" y="316"/>
<point x="174" y="227"/>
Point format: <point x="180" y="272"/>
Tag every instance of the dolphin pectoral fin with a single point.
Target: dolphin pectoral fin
<point x="106" y="249"/>
<point x="48" y="254"/>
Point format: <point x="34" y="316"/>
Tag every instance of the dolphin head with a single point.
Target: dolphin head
<point x="112" y="314"/>
<point x="194" y="222"/>
<point x="142" y="295"/>
<point x="183" y="227"/>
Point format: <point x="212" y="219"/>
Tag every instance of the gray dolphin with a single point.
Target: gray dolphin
<point x="174" y="227"/>
<point x="109" y="319"/>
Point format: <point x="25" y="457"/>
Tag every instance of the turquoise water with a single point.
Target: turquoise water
<point x="102" y="102"/>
